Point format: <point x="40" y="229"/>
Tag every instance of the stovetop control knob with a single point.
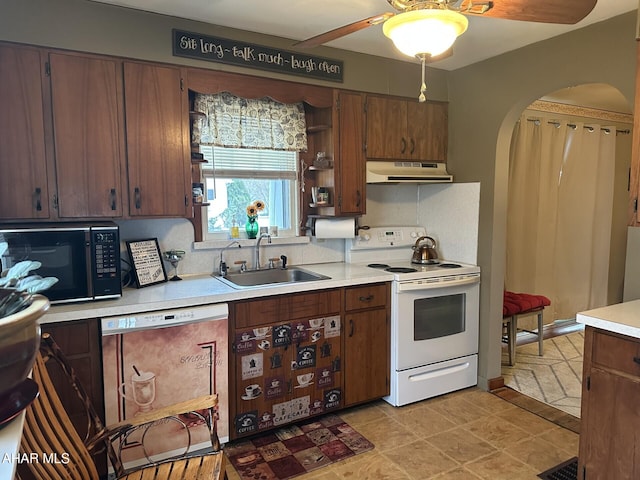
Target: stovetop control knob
<point x="413" y="235"/>
<point x="365" y="237"/>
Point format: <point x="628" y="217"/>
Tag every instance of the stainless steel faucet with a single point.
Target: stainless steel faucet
<point x="257" y="254"/>
<point x="222" y="268"/>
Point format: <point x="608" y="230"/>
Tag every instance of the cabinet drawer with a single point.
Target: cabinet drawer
<point x="617" y="353"/>
<point x="367" y="296"/>
<point x="283" y="308"/>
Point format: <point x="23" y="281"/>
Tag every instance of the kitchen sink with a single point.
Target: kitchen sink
<point x="258" y="278"/>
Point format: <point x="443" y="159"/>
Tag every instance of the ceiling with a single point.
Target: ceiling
<point x="301" y="19"/>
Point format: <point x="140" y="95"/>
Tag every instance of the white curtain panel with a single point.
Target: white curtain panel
<point x="559" y="213"/>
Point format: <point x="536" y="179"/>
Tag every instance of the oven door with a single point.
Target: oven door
<point x="434" y="322"/>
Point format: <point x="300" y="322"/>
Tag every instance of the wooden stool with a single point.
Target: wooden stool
<point x="517" y="305"/>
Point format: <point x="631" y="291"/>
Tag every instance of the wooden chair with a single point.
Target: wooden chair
<point x="49" y="430"/>
<point x="516" y="305"/>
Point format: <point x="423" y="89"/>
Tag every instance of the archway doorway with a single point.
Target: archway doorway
<point x="557" y="244"/>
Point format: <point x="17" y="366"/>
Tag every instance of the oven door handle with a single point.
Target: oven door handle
<point x="411" y="286"/>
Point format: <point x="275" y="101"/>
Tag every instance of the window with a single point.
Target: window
<point x="251" y="146"/>
<point x="234" y="178"/>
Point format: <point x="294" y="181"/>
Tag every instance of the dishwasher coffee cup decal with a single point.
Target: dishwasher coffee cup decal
<point x="145" y="369"/>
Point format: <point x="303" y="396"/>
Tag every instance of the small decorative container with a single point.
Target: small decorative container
<point x="251" y="227"/>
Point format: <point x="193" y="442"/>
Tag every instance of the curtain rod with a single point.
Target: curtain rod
<point x="573" y="125"/>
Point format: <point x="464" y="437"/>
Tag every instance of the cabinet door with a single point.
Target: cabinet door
<point x="366" y="356"/>
<point x="427" y="125"/>
<point x="609" y="444"/>
<point x="634" y="182"/>
<point x="350" y="168"/>
<point x="262" y="357"/>
<point x="23" y="178"/>
<point x="285" y="372"/>
<point x="156" y="111"/>
<point x="386" y="128"/>
<point x="80" y="341"/>
<point x="86" y="98"/>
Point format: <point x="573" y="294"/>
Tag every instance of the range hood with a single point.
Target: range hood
<point x="407" y="172"/>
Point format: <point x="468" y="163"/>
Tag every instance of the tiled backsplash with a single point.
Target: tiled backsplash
<point x="448" y="211"/>
<point x="178" y="234"/>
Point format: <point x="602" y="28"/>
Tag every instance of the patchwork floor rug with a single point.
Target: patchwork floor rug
<point x="556" y="377"/>
<point x="294" y="450"/>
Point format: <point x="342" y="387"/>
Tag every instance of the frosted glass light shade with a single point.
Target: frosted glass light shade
<point x="430" y="31"/>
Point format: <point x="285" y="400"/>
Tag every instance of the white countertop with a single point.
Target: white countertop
<point x="205" y="289"/>
<point x="191" y="291"/>
<point x="9" y="444"/>
<point x="623" y="318"/>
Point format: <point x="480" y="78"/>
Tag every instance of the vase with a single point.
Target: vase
<point x="19" y="341"/>
<point x="251" y="227"/>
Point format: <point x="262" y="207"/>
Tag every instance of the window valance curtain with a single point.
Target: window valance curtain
<point x="262" y="123"/>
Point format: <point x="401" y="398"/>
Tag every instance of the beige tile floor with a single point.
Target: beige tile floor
<point x="470" y="434"/>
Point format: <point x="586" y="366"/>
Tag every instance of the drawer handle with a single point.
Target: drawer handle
<point x="38" y="195"/>
<point x="637" y="360"/>
<point x="368" y="298"/>
<point x="112" y="194"/>
<point x="137" y="197"/>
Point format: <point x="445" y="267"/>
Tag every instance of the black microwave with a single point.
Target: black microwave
<point x="84" y="257"/>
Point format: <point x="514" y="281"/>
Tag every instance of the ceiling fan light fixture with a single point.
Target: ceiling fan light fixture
<point x="425" y="31"/>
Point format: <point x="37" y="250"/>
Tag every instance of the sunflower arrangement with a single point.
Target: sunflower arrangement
<point x="254" y="208"/>
<point x="252" y="215"/>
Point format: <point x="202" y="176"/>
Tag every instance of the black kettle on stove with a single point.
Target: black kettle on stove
<point x="424" y="251"/>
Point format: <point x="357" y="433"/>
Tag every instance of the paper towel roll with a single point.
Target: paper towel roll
<point x="335" y="228"/>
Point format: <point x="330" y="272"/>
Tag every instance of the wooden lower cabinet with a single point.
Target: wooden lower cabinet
<point x="367" y="352"/>
<point x="289" y="369"/>
<point x="610" y="416"/>
<point x="299" y="355"/>
<point x="80" y="341"/>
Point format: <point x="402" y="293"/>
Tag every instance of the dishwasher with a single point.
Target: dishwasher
<point x="155" y="359"/>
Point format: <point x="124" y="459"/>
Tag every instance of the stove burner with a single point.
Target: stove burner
<point x="400" y="270"/>
<point x="378" y="265"/>
<point x="450" y="265"/>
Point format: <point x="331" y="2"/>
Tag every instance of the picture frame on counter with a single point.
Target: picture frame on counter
<point x="146" y="262"/>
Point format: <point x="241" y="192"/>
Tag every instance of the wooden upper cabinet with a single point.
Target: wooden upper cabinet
<point x="386" y="128"/>
<point x="427" y="129"/>
<point x="634" y="184"/>
<point x="349" y="167"/>
<point x="157" y="119"/>
<point x="86" y="96"/>
<point x="23" y="168"/>
<point x="400" y="129"/>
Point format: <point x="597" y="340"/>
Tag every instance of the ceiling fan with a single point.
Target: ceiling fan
<point x="427" y="29"/>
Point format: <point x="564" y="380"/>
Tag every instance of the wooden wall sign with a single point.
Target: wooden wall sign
<point x="234" y="52"/>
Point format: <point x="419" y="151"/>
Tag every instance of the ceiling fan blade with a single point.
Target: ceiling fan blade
<point x="546" y="11"/>
<point x="342" y="31"/>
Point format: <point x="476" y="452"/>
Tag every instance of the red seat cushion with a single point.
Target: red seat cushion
<point x="515" y="303"/>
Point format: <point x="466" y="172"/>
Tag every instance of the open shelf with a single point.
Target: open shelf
<point x="318" y="128"/>
<point x="196" y="115"/>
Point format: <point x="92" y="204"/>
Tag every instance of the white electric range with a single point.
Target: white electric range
<point x="434" y="314"/>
